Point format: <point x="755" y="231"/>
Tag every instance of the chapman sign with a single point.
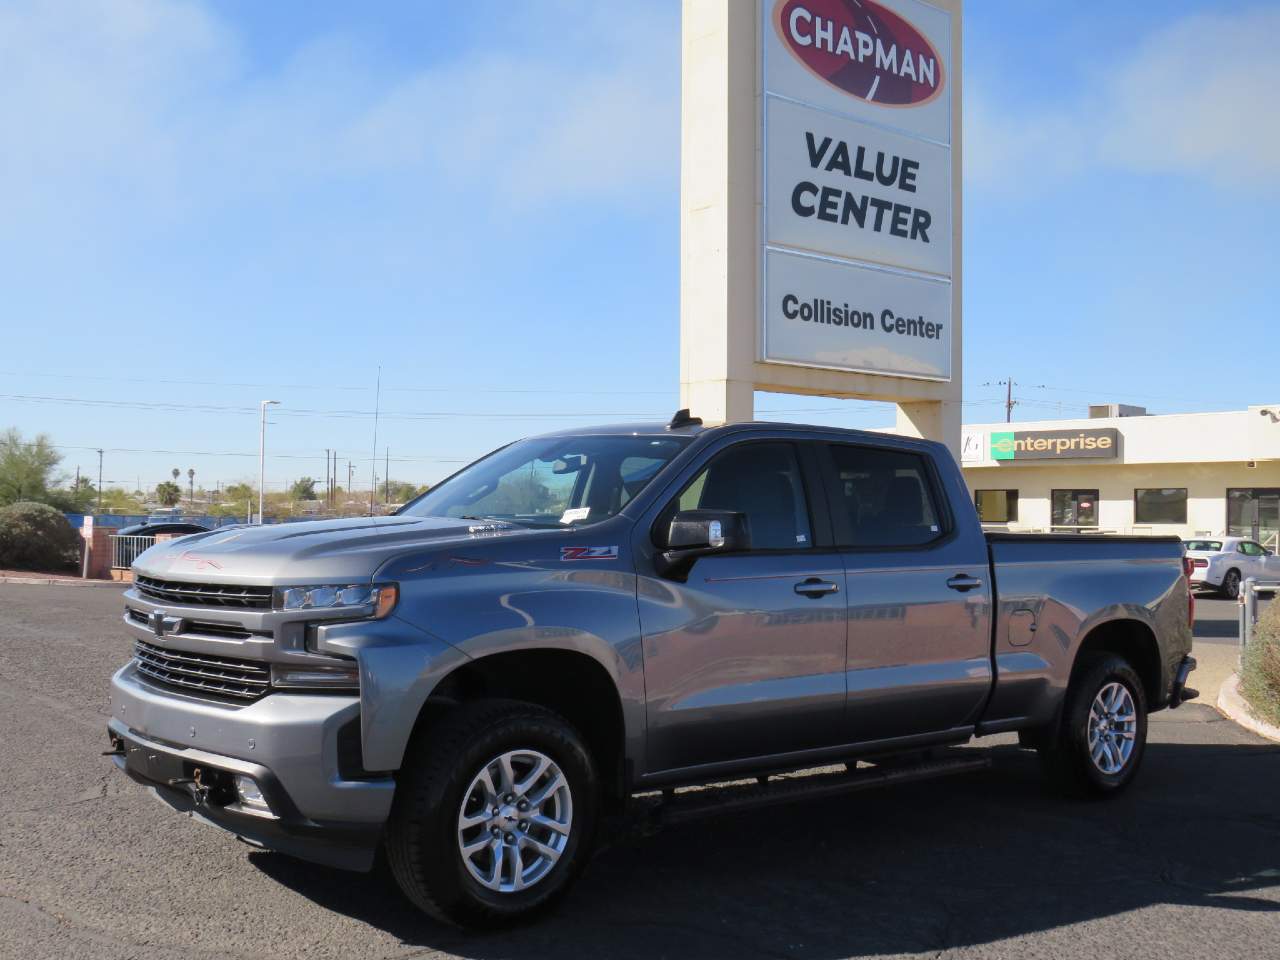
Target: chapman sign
<point x="858" y="253"/>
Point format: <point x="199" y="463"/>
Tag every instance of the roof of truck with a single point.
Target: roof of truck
<point x="659" y="429"/>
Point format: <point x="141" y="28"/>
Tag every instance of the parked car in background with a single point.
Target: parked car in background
<point x="149" y="528"/>
<point x="1223" y="563"/>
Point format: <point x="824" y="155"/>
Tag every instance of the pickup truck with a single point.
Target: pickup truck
<point x="576" y="620"/>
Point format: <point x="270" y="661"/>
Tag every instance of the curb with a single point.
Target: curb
<point x="55" y="582"/>
<point x="1234" y="707"/>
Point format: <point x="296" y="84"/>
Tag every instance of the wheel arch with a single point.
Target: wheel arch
<point x="1136" y="642"/>
<point x="571" y="683"/>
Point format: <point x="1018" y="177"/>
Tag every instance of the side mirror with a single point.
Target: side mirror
<point x="699" y="533"/>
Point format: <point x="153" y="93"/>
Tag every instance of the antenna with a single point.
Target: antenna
<point x="373" y="464"/>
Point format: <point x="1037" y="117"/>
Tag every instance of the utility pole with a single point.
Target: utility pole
<point x="386" y="479"/>
<point x="191" y="487"/>
<point x="348" y="479"/>
<point x="327" y="491"/>
<point x="99" y="480"/>
<point x="373" y="465"/>
<point x="262" y="455"/>
<point x="1009" y="403"/>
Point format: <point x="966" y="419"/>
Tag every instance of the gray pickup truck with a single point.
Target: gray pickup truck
<point x="587" y="617"/>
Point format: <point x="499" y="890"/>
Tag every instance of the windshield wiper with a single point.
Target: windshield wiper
<point x="531" y="524"/>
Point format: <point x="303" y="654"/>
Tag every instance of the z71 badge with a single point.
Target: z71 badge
<point x="588" y="553"/>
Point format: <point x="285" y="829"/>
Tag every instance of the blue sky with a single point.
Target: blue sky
<point x="207" y="204"/>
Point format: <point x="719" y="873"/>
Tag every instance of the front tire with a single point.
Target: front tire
<point x="494" y="815"/>
<point x="1100" y="743"/>
<point x="1231" y="584"/>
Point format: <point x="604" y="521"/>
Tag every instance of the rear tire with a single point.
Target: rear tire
<point x="1099" y="744"/>
<point x="519" y="759"/>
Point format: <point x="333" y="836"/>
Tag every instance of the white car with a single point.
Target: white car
<point x="1223" y="563"/>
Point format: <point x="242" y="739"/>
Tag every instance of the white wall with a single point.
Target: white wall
<point x="1206" y="485"/>
<point x="1233" y="436"/>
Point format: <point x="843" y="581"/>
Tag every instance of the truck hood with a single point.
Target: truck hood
<point x="318" y="551"/>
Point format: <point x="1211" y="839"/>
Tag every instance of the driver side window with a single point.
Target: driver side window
<point x="761" y="481"/>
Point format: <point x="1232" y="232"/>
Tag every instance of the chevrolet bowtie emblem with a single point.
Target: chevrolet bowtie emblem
<point x="160" y="624"/>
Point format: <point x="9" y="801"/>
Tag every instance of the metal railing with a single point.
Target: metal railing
<point x="125" y="550"/>
<point x="1250" y="591"/>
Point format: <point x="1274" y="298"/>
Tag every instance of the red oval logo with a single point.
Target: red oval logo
<point x="862" y="49"/>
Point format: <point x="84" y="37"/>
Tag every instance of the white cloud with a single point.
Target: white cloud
<point x="153" y="107"/>
<point x="1193" y="99"/>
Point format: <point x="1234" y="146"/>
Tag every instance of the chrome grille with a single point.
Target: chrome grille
<point x="204" y="594"/>
<point x="230" y="677"/>
<point x="203" y="628"/>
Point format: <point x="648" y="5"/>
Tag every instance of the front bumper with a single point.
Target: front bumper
<point x="289" y="743"/>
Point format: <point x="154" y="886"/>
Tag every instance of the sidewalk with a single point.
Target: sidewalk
<point x="54" y="579"/>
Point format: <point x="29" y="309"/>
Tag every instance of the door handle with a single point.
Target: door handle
<point x="963" y="582"/>
<point x="815" y="588"/>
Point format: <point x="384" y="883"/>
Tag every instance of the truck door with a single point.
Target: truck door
<point x="746" y="657"/>
<point x="918" y="595"/>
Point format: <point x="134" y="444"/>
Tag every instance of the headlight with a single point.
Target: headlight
<point x="378" y="599"/>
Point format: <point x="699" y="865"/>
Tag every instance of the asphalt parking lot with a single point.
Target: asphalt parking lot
<point x="1186" y="864"/>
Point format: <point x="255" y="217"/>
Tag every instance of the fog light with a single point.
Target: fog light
<point x="250" y="794"/>
<point x="339" y="676"/>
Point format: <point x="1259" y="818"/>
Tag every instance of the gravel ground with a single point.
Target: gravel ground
<point x="1186" y="864"/>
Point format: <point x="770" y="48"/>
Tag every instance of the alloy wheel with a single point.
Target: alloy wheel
<point x="515" y="820"/>
<point x="1113" y="728"/>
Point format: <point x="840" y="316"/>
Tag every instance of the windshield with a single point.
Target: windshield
<point x="1205" y="546"/>
<point x="551" y="481"/>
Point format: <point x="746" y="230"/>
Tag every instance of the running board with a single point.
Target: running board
<point x="692" y="804"/>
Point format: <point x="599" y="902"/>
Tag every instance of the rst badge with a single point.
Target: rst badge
<point x="588" y="553"/>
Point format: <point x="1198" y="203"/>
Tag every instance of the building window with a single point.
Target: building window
<point x="1253" y="512"/>
<point x="1160" y="505"/>
<point x="1073" y="509"/>
<point x="996" y="506"/>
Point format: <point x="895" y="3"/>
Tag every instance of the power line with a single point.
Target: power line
<point x="328" y="387"/>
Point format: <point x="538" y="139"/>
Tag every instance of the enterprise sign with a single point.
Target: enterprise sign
<point x="1101" y="444"/>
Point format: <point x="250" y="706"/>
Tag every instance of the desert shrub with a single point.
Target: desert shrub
<point x="35" y="536"/>
<point x="1260" y="666"/>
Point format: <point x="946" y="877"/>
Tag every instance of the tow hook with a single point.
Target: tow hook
<point x="117" y="748"/>
<point x="199" y="792"/>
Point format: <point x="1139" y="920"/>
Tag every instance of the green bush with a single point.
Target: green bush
<point x="35" y="536"/>
<point x="1260" y="666"/>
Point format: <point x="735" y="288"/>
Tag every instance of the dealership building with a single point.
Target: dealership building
<point x="1122" y="470"/>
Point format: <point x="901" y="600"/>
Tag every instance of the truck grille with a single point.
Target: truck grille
<point x="204" y="594"/>
<point x="203" y="628"/>
<point x="230" y="677"/>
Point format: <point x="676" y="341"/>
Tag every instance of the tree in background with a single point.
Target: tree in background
<point x="116" y="500"/>
<point x="27" y="473"/>
<point x="168" y="493"/>
<point x="303" y="489"/>
<point x="401" y="492"/>
<point x="26" y="469"/>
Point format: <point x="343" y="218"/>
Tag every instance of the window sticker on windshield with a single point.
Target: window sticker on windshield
<point x="577" y="513"/>
<point x="588" y="553"/>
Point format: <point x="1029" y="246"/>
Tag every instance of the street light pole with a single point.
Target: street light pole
<point x="262" y="454"/>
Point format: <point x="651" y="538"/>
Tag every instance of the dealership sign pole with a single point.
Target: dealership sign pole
<point x="820" y="206"/>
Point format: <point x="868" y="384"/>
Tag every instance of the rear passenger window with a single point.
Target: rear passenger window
<point x="761" y="481"/>
<point x="882" y="498"/>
